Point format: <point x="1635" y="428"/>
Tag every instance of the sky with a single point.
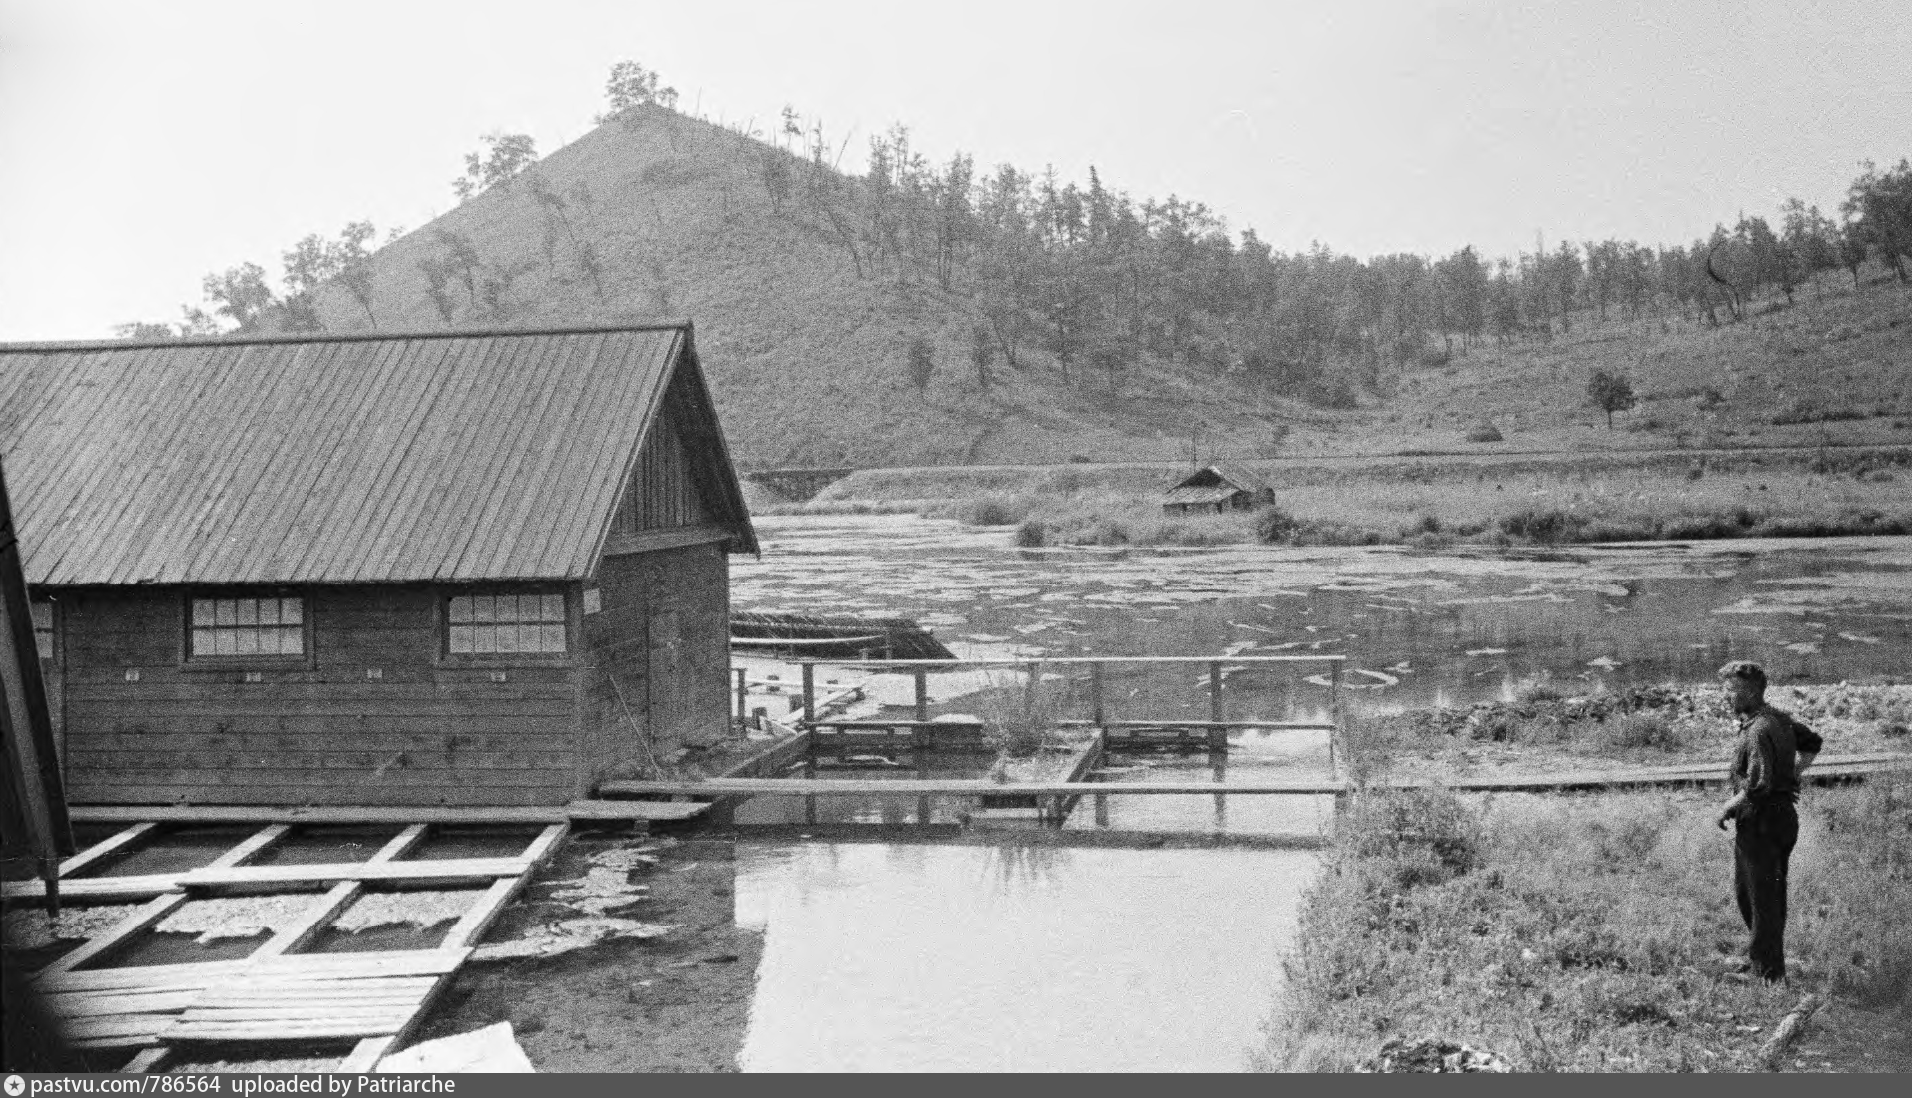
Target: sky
<point x="143" y="145"/>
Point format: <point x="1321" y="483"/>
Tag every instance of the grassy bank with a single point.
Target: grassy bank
<point x="1585" y="933"/>
<point x="1430" y="503"/>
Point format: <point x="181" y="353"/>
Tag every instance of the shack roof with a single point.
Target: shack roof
<point x="1217" y="476"/>
<point x="377" y="458"/>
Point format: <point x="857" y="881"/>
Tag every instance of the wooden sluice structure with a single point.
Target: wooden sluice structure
<point x="915" y="741"/>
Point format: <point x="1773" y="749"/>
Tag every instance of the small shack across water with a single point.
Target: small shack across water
<point x="1217" y="489"/>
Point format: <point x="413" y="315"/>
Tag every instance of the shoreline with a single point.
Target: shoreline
<point x="1597" y="932"/>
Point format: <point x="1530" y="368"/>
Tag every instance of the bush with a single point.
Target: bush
<point x="1032" y="534"/>
<point x="1486" y="432"/>
<point x="1641" y="730"/>
<point x="1542" y="525"/>
<point x="1273" y="524"/>
<point x="1412" y="826"/>
<point x="993" y="510"/>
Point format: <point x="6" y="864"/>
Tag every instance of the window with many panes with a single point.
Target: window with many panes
<point x="271" y="625"/>
<point x="489" y="625"/>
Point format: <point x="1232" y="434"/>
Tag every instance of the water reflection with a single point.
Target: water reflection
<point x="967" y="958"/>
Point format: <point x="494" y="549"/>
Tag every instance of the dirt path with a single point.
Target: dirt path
<point x="680" y="1002"/>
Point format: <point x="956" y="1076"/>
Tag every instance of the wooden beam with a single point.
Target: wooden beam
<point x="261" y="840"/>
<point x="399" y="845"/>
<point x="952" y="665"/>
<point x="545" y="845"/>
<point x="139" y="920"/>
<point x="347" y="814"/>
<point x="142" y="887"/>
<point x="436" y="869"/>
<point x="1282" y="726"/>
<point x="482" y="914"/>
<point x="112" y="845"/>
<point x="311" y="922"/>
<point x="151" y="1059"/>
<point x="364" y="1057"/>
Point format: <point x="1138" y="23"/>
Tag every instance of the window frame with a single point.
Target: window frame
<point x="304" y="660"/>
<point x="442" y="625"/>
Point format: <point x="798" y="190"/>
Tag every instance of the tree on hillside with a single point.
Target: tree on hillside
<point x="316" y="261"/>
<point x="1878" y="208"/>
<point x="142" y="331"/>
<point x="505" y="155"/>
<point x="922" y="363"/>
<point x="240" y="294"/>
<point x="1610" y="393"/>
<point x="632" y="85"/>
<point x="982" y="352"/>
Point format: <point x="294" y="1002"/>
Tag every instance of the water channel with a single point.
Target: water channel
<point x="917" y="956"/>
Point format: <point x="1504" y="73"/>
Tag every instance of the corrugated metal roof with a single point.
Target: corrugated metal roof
<point x="346" y="459"/>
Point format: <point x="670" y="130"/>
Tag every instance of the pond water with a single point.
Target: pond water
<point x="1417" y="627"/>
<point x="1012" y="958"/>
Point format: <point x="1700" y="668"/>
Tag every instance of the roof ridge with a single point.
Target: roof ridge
<point x="29" y="347"/>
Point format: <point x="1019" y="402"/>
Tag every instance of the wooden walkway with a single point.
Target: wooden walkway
<point x="1830" y="768"/>
<point x="277" y="994"/>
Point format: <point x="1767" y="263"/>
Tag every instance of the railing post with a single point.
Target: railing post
<point x="922" y="693"/>
<point x="809" y="694"/>
<point x="743" y="694"/>
<point x="1095" y="694"/>
<point x="1334" y="715"/>
<point x="1217" y="735"/>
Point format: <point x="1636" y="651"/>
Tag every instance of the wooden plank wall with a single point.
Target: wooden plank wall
<point x="662" y="641"/>
<point x="426" y="732"/>
<point x="663" y="494"/>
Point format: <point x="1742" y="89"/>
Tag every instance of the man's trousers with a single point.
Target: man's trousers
<point x="1762" y="848"/>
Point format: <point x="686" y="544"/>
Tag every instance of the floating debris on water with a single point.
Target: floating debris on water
<point x="1486" y="651"/>
<point x="1604" y="663"/>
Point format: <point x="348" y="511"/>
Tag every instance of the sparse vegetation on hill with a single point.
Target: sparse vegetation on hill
<point x="830" y="305"/>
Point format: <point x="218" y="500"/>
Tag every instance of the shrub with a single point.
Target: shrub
<point x="1486" y="432"/>
<point x="1412" y="825"/>
<point x="993" y="510"/>
<point x="1641" y="730"/>
<point x="1543" y="525"/>
<point x="1274" y="524"/>
<point x="1032" y="534"/>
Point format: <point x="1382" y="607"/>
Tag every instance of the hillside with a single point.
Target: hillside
<point x="806" y="341"/>
<point x="808" y="361"/>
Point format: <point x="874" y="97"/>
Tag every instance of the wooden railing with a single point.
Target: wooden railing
<point x="1215" y="728"/>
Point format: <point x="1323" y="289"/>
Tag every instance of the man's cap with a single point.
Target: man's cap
<point x="1744" y="669"/>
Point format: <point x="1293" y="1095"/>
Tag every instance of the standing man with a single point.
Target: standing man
<point x="1773" y="751"/>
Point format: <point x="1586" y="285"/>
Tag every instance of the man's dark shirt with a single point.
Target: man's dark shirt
<point x="1765" y="764"/>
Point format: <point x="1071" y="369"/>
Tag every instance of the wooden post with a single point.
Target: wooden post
<point x="1102" y="810"/>
<point x="922" y="693"/>
<point x="1217" y="735"/>
<point x="809" y="694"/>
<point x="1095" y="693"/>
<point x="1334" y="713"/>
<point x="743" y="696"/>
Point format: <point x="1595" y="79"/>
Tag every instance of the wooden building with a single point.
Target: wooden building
<point x="1217" y="489"/>
<point x="456" y="568"/>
